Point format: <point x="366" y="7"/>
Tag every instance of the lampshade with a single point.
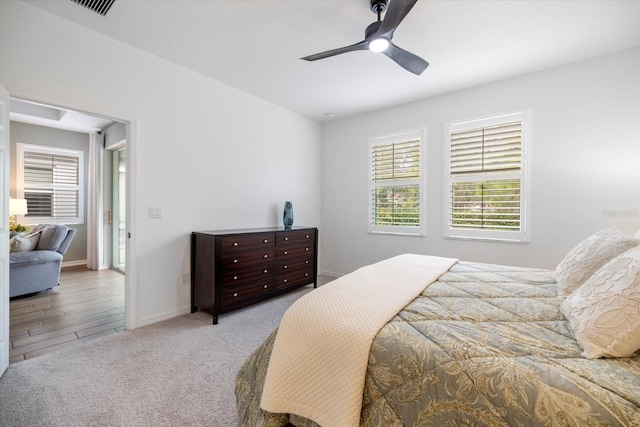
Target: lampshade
<point x="18" y="207"/>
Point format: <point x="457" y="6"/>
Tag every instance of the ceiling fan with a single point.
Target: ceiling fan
<point x="377" y="36"/>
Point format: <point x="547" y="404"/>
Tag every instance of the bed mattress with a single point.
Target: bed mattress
<point x="484" y="345"/>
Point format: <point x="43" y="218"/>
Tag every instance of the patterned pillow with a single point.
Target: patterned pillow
<point x="588" y="256"/>
<point x="604" y="313"/>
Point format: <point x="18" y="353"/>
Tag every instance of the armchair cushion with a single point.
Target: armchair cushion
<point x="26" y="243"/>
<point x="24" y="259"/>
<point x="51" y="236"/>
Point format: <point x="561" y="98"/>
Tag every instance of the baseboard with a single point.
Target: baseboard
<point x="163" y="316"/>
<point x="330" y="274"/>
<point x="74" y="263"/>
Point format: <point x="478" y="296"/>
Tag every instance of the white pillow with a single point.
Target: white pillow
<point x="604" y="313"/>
<point x="637" y="235"/>
<point x="588" y="256"/>
<point x="24" y="243"/>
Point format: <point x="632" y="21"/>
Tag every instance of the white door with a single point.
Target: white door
<point x="4" y="230"/>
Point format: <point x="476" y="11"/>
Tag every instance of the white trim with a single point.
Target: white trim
<point x="523" y="236"/>
<point x="74" y="263"/>
<point x="131" y="254"/>
<point x="487" y="120"/>
<point x="331" y="274"/>
<point x="5" y="153"/>
<point x="421" y="230"/>
<point x="170" y="314"/>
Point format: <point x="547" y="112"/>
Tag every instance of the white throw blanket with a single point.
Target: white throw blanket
<point x="319" y="359"/>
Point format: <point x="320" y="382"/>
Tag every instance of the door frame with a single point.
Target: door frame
<point x="115" y="216"/>
<point x="131" y="285"/>
<point x="5" y="153"/>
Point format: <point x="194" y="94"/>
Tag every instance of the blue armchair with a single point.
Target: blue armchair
<point x="39" y="270"/>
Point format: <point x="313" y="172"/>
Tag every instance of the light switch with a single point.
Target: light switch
<point x="155" y="212"/>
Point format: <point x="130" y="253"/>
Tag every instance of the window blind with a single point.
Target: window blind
<point x="396" y="160"/>
<point x="486" y="205"/>
<point x="51" y="185"/>
<point x="487" y="149"/>
<point x="486" y="177"/>
<point x="395" y="175"/>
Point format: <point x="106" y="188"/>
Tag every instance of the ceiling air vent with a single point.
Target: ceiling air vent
<point x="98" y="6"/>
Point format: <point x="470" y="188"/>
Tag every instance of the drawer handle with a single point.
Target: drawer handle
<point x="306" y="262"/>
<point x="286" y="253"/>
<point x="235" y="294"/>
<point x="235" y="277"/>
<point x="265" y="271"/>
<point x="307" y="236"/>
<point x="284" y="281"/>
<point x="306" y="249"/>
<point x="285" y="266"/>
<point x="306" y="274"/>
<point x="286" y="238"/>
<point x="265" y="286"/>
<point x="235" y="261"/>
<point x="235" y="243"/>
<point x="265" y="241"/>
<point x="265" y="256"/>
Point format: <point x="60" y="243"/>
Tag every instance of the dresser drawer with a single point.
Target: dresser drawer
<point x="240" y="260"/>
<point x="243" y="242"/>
<point x="287" y="238"/>
<point x="295" y="278"/>
<point x="232" y="277"/>
<point x="235" y="296"/>
<point x="286" y="265"/>
<point x="286" y="253"/>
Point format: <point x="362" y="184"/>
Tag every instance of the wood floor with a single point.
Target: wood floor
<point x="86" y="305"/>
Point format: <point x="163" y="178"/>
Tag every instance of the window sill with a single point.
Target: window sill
<point x="398" y="233"/>
<point x="489" y="239"/>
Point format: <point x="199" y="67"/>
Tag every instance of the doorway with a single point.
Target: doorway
<point x="102" y="243"/>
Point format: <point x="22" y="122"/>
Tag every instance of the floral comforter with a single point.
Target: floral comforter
<point x="485" y="345"/>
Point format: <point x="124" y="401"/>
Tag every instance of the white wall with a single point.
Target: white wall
<point x="585" y="158"/>
<point x="207" y="154"/>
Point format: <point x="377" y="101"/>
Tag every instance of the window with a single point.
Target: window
<point x="51" y="179"/>
<point x="396" y="198"/>
<point x="486" y="185"/>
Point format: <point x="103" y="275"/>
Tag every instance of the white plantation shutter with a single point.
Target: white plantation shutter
<point x="486" y="205"/>
<point x="491" y="149"/>
<point x="51" y="182"/>
<point x="486" y="178"/>
<point x="395" y="184"/>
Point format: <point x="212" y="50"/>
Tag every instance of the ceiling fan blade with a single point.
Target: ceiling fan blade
<point x="396" y="12"/>
<point x="363" y="45"/>
<point x="406" y="60"/>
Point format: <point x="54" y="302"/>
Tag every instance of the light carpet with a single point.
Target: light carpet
<point x="179" y="372"/>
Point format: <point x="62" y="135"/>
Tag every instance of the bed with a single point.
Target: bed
<point x="488" y="345"/>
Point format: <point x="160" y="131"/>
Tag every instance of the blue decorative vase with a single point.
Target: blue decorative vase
<point x="287" y="217"/>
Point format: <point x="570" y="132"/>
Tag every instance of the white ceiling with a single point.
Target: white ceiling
<point x="48" y="116"/>
<point x="255" y="45"/>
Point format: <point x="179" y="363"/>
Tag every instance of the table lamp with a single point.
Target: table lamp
<point x="16" y="207"/>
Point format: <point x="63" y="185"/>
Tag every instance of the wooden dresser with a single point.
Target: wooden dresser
<point x="235" y="268"/>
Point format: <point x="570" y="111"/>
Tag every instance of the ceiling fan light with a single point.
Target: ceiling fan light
<point x="378" y="45"/>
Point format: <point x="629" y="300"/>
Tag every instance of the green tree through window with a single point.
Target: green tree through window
<point x="396" y="183"/>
